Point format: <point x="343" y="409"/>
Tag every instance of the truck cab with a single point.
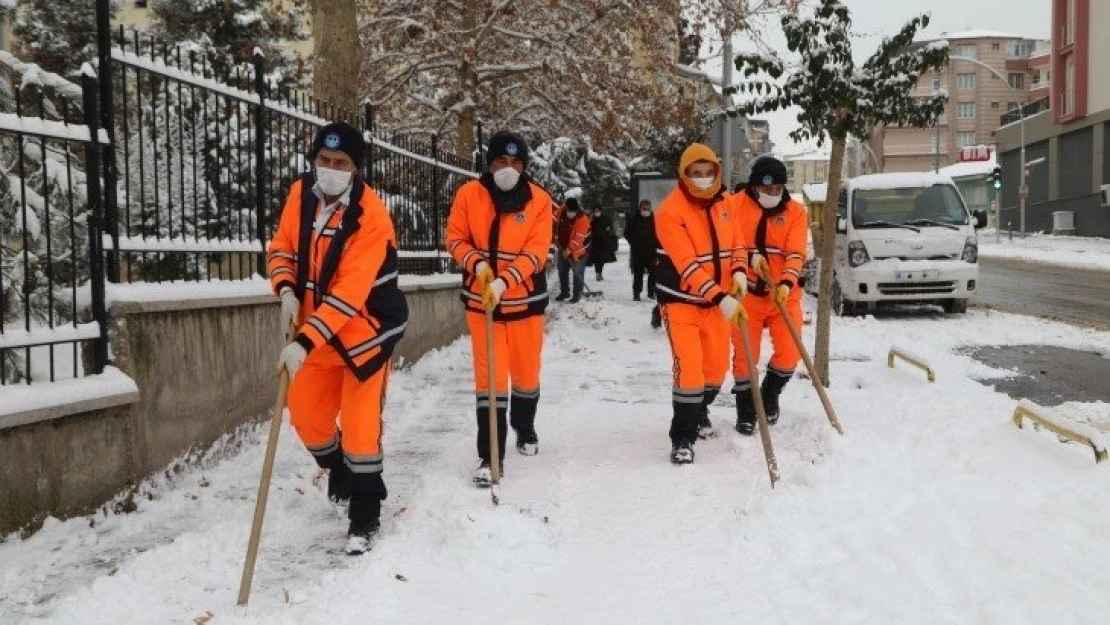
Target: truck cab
<point x="904" y="238"/>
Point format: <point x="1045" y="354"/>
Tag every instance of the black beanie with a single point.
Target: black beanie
<point x="767" y="170"/>
<point x="506" y="143"/>
<point x="572" y="205"/>
<point x="343" y="137"/>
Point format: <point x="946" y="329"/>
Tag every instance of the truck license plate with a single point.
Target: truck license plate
<point x="923" y="274"/>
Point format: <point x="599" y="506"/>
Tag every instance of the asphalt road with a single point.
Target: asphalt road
<point x="1079" y="297"/>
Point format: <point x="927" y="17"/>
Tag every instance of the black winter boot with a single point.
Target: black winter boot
<point x="771" y="388"/>
<point x="745" y="409"/>
<point x="705" y="426"/>
<point x="365" y="514"/>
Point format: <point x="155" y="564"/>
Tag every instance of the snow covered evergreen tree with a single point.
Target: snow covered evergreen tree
<point x="836" y="99"/>
<point x="55" y="37"/>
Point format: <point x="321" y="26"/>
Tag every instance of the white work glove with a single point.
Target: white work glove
<point x="291" y="359"/>
<point x="733" y="311"/>
<point x="739" y="285"/>
<point x="493" y="293"/>
<point x="290" y="308"/>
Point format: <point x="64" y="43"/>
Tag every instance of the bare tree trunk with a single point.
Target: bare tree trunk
<point x="336" y="53"/>
<point x="827" y="254"/>
<point x="468" y="85"/>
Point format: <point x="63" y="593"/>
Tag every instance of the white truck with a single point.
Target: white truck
<point x="904" y="238"/>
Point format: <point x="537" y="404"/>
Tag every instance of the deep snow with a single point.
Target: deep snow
<point x="932" y="509"/>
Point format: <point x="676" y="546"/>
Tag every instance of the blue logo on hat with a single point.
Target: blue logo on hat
<point x="768" y="181"/>
<point x="332" y="142"/>
<point x="511" y="149"/>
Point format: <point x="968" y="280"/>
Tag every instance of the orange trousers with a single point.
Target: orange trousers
<point x="699" y="345"/>
<point x="325" y="390"/>
<point x="763" y="313"/>
<point x="517" y="349"/>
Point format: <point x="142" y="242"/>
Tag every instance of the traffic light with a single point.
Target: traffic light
<point x="996" y="178"/>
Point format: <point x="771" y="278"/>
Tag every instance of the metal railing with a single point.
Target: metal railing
<point x="1030" y="109"/>
<point x="52" y="303"/>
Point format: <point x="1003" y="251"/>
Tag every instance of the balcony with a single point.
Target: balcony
<point x="920" y="149"/>
<point x="1029" y="110"/>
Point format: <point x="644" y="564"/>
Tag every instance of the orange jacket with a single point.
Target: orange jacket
<point x="344" y="271"/>
<point x="523" y="227"/>
<point x="574" y="235"/>
<point x="780" y="235"/>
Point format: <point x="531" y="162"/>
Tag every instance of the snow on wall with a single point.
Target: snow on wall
<point x="25" y="397"/>
<point x="39" y="336"/>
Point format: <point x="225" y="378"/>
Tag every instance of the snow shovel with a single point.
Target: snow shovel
<point x="586" y="290"/>
<point x="494" y="432"/>
<point x="813" y="377"/>
<point x="760" y="412"/>
<point x="264" y="485"/>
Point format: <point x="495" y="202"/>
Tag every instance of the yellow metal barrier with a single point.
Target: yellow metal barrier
<point x="897" y="352"/>
<point x="1058" y="426"/>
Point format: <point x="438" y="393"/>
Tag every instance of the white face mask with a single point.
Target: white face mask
<point x="572" y="214"/>
<point x="597" y="213"/>
<point x="702" y="183"/>
<point x="645" y="213"/>
<point x="333" y="182"/>
<point x="769" y="201"/>
<point x="506" y="178"/>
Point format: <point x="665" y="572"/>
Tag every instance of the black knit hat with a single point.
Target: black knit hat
<point x="572" y="205"/>
<point x="767" y="170"/>
<point x="343" y="137"/>
<point x="507" y="143"/>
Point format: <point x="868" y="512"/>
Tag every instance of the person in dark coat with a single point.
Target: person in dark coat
<point x="604" y="241"/>
<point x="639" y="231"/>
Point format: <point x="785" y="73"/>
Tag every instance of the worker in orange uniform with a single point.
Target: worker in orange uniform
<point x="499" y="232"/>
<point x="573" y="238"/>
<point x="776" y="231"/>
<point x="700" y="285"/>
<point x="333" y="262"/>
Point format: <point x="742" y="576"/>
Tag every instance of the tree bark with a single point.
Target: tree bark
<point x="468" y="85"/>
<point x="827" y="254"/>
<point x="336" y="54"/>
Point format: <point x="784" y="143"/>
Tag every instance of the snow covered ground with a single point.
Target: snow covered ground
<point x="932" y="508"/>
<point x="1080" y="252"/>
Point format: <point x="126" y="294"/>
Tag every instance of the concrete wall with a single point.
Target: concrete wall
<point x="203" y="367"/>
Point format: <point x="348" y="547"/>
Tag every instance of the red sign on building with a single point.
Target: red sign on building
<point x="975" y="153"/>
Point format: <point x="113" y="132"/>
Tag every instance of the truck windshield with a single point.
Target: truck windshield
<point x="938" y="205"/>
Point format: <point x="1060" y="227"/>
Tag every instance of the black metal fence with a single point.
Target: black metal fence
<point x="51" y="304"/>
<point x="195" y="167"/>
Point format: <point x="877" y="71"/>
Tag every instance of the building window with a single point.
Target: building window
<point x="995" y="46"/>
<point x="964" y="139"/>
<point x="1020" y="49"/>
<point x="970" y="51"/>
<point x="965" y="81"/>
<point x="936" y="84"/>
<point x="1068" y="105"/>
<point x="1068" y="36"/>
<point x="1017" y="81"/>
<point x="965" y="110"/>
<point x="995" y="105"/>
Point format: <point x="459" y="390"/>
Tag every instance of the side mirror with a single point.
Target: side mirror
<point x="980" y="220"/>
<point x="841" y="225"/>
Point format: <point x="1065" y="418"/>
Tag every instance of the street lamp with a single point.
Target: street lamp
<point x="1022" y="190"/>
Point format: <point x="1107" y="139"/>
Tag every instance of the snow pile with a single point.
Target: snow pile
<point x="933" y="507"/>
<point x="1075" y="252"/>
<point x="23" y="397"/>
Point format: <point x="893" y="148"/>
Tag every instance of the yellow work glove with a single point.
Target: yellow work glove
<point x="780" y="293"/>
<point x="739" y="285"/>
<point x="491" y="297"/>
<point x="733" y="311"/>
<point x="759" y="264"/>
<point x="483" y="276"/>
<point x="566" y="254"/>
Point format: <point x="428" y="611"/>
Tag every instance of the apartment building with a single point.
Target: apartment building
<point x="805" y="169"/>
<point x="1068" y="144"/>
<point x="977" y="100"/>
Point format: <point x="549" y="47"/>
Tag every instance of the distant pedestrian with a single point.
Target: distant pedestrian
<point x="574" y="247"/>
<point x="603" y="242"/>
<point x="639" y="231"/>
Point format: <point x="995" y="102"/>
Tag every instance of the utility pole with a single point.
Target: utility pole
<point x="726" y="123"/>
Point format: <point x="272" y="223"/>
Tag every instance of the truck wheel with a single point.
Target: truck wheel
<point x="842" y="307"/>
<point x="955" y="306"/>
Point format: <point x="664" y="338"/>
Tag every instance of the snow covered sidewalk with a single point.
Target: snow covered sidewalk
<point x="1078" y="252"/>
<point x="932" y="509"/>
